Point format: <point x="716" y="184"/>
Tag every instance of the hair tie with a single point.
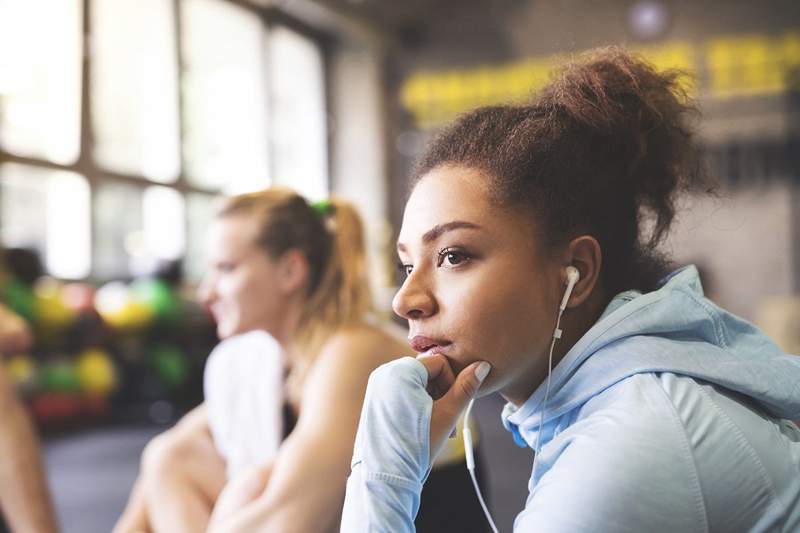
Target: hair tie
<point x="323" y="207"/>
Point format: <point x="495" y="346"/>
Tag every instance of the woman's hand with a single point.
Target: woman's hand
<point x="410" y="407"/>
<point x="238" y="493"/>
<point x="450" y="394"/>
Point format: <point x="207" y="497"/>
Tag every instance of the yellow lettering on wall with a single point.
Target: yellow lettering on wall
<point x="744" y="66"/>
<point x="434" y="98"/>
<point x="734" y="66"/>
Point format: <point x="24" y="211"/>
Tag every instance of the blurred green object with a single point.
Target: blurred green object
<point x="170" y="365"/>
<point x="59" y="376"/>
<point x="158" y="296"/>
<point x="323" y="207"/>
<point x="19" y="298"/>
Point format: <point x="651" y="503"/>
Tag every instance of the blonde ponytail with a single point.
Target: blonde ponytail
<point x="343" y="296"/>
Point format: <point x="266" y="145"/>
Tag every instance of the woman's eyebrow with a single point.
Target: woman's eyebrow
<point x="440" y="229"/>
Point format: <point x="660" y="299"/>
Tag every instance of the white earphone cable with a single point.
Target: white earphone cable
<point x="471" y="465"/>
<point x="468" y="451"/>
<point x="556" y="335"/>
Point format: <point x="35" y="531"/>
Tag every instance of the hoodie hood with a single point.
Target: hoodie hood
<point x="672" y="329"/>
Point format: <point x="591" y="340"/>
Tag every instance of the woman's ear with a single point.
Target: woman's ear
<point x="292" y="271"/>
<point x="584" y="253"/>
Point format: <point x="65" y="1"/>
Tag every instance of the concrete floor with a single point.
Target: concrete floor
<point x="91" y="472"/>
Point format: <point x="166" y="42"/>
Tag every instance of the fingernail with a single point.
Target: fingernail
<point x="482" y="371"/>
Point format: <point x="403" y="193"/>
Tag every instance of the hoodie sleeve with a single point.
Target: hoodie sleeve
<point x="391" y="458"/>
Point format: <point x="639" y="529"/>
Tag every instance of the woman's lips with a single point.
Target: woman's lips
<point x="421" y="343"/>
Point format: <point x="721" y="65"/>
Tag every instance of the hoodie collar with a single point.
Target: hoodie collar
<point x="622" y="306"/>
<point x="641" y="329"/>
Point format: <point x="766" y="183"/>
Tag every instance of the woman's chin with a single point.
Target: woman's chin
<point x="225" y="331"/>
<point x="456" y="365"/>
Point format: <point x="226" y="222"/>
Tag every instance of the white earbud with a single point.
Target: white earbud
<point x="572" y="278"/>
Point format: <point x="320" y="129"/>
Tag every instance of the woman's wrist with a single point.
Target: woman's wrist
<point x="394" y="432"/>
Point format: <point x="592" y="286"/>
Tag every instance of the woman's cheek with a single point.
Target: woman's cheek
<point x="514" y="330"/>
<point x="234" y="288"/>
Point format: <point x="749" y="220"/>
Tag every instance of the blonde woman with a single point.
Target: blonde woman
<point x="287" y="286"/>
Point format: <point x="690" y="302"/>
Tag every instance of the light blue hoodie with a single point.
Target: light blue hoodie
<point x="669" y="414"/>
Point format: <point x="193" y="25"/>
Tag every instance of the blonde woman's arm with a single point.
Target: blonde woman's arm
<point x="303" y="488"/>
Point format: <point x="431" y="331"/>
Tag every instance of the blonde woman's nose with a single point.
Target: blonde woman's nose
<point x="205" y="291"/>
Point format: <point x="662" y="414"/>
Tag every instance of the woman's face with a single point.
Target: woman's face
<point x="240" y="287"/>
<point x="477" y="287"/>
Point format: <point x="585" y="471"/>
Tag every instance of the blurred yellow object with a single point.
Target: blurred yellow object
<point x="779" y="318"/>
<point x="133" y="315"/>
<point x="96" y="372"/>
<point x="48" y="305"/>
<point x="121" y="308"/>
<point x="22" y="369"/>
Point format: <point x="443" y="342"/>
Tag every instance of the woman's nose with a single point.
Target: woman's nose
<point x="414" y="300"/>
<point x="205" y="291"/>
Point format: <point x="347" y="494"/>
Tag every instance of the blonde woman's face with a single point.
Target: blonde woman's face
<point x="240" y="287"/>
<point x="477" y="289"/>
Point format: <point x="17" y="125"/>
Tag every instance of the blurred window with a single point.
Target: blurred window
<point x="119" y="235"/>
<point x="163" y="223"/>
<point x="184" y="99"/>
<point x="225" y="97"/>
<point x="40" y="78"/>
<point x="151" y="230"/>
<point x="299" y="122"/>
<point x="134" y="79"/>
<point x="47" y="211"/>
<point x="200" y="213"/>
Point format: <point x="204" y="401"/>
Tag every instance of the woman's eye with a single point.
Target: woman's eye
<point x="452" y="258"/>
<point x="225" y="267"/>
<point x="405" y="269"/>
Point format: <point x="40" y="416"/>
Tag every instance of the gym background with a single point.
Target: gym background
<point x="122" y="120"/>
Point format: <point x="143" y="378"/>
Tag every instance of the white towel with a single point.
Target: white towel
<point x="243" y="385"/>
